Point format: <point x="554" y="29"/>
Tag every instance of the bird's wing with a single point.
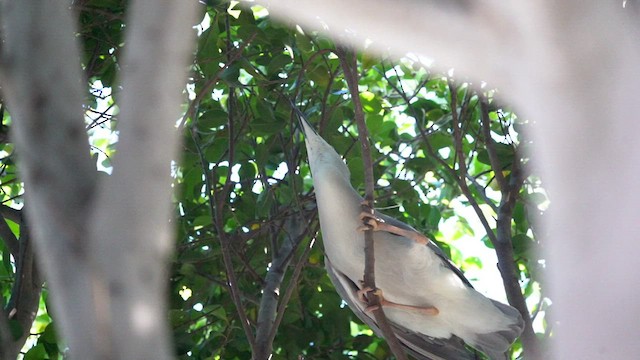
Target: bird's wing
<point x="447" y="262"/>
<point x="487" y="343"/>
<point x="420" y="346"/>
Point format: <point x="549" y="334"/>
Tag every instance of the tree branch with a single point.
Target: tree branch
<point x="462" y="166"/>
<point x="489" y="143"/>
<point x="349" y="65"/>
<point x="131" y="235"/>
<point x="217" y="204"/>
<point x="506" y="263"/>
<point x="6" y="337"/>
<point x="481" y="191"/>
<point x="25" y="294"/>
<point x="268" y="311"/>
<point x="48" y="130"/>
<point x="292" y="286"/>
<point x="501" y="240"/>
<point x="10" y="213"/>
<point x="216" y="215"/>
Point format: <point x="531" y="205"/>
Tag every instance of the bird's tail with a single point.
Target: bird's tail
<point x="495" y="344"/>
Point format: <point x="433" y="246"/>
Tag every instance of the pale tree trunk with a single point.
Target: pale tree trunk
<point x="572" y="68"/>
<point x="103" y="244"/>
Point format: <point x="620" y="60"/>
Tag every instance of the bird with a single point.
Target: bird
<point x="431" y="306"/>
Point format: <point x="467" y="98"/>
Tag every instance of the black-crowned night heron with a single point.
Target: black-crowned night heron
<point x="432" y="307"/>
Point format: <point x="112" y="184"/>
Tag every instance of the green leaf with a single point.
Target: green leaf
<point x="520" y="218"/>
<point x="369" y="102"/>
<point x="320" y="75"/>
<point x="356" y="167"/>
<point x="209" y="54"/>
<point x="265" y="126"/>
<point x="426" y="105"/>
<point x="521" y="244"/>
<point x="420" y="165"/>
<point x="214" y="152"/>
<point x="277" y="63"/>
<point x="231" y="74"/>
<point x="213" y="119"/>
<point x="439" y="141"/>
<point x="49" y="334"/>
<point x="473" y="261"/>
<point x="504" y="152"/>
<point x="434" y="217"/>
<point x="487" y="242"/>
<point x="37" y="352"/>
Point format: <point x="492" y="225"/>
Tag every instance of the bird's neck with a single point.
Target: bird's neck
<point x="339" y="208"/>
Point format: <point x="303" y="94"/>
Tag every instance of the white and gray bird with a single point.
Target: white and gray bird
<point x="432" y="307"/>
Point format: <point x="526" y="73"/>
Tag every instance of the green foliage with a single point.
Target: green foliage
<point x="243" y="176"/>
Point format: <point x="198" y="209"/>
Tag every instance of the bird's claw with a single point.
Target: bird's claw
<point x="368" y="224"/>
<point x="372" y="222"/>
<point x="369" y="220"/>
<point x="363" y="298"/>
<point x="426" y="310"/>
<point x="365" y="290"/>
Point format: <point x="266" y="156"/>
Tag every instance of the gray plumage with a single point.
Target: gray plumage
<point x="407" y="272"/>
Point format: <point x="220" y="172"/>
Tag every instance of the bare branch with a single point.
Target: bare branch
<point x="292" y="285"/>
<point x="506" y="262"/>
<point x="350" y="68"/>
<point x="268" y="311"/>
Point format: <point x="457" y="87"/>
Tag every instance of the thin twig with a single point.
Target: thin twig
<point x="219" y="203"/>
<point x="216" y="204"/>
<point x="206" y="88"/>
<point x="349" y="66"/>
<point x="216" y="213"/>
<point x="482" y="192"/>
<point x="462" y="166"/>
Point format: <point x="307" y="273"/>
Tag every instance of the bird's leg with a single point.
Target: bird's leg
<point x="425" y="310"/>
<point x="371" y="222"/>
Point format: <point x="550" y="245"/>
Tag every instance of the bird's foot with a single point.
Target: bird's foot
<point x="362" y="296"/>
<point x="368" y="218"/>
<point x="362" y="293"/>
<point x="372" y="222"/>
<point x="425" y="310"/>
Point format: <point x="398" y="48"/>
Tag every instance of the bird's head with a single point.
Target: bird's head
<point x="323" y="158"/>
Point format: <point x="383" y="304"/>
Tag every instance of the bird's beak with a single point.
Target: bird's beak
<point x="306" y="128"/>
